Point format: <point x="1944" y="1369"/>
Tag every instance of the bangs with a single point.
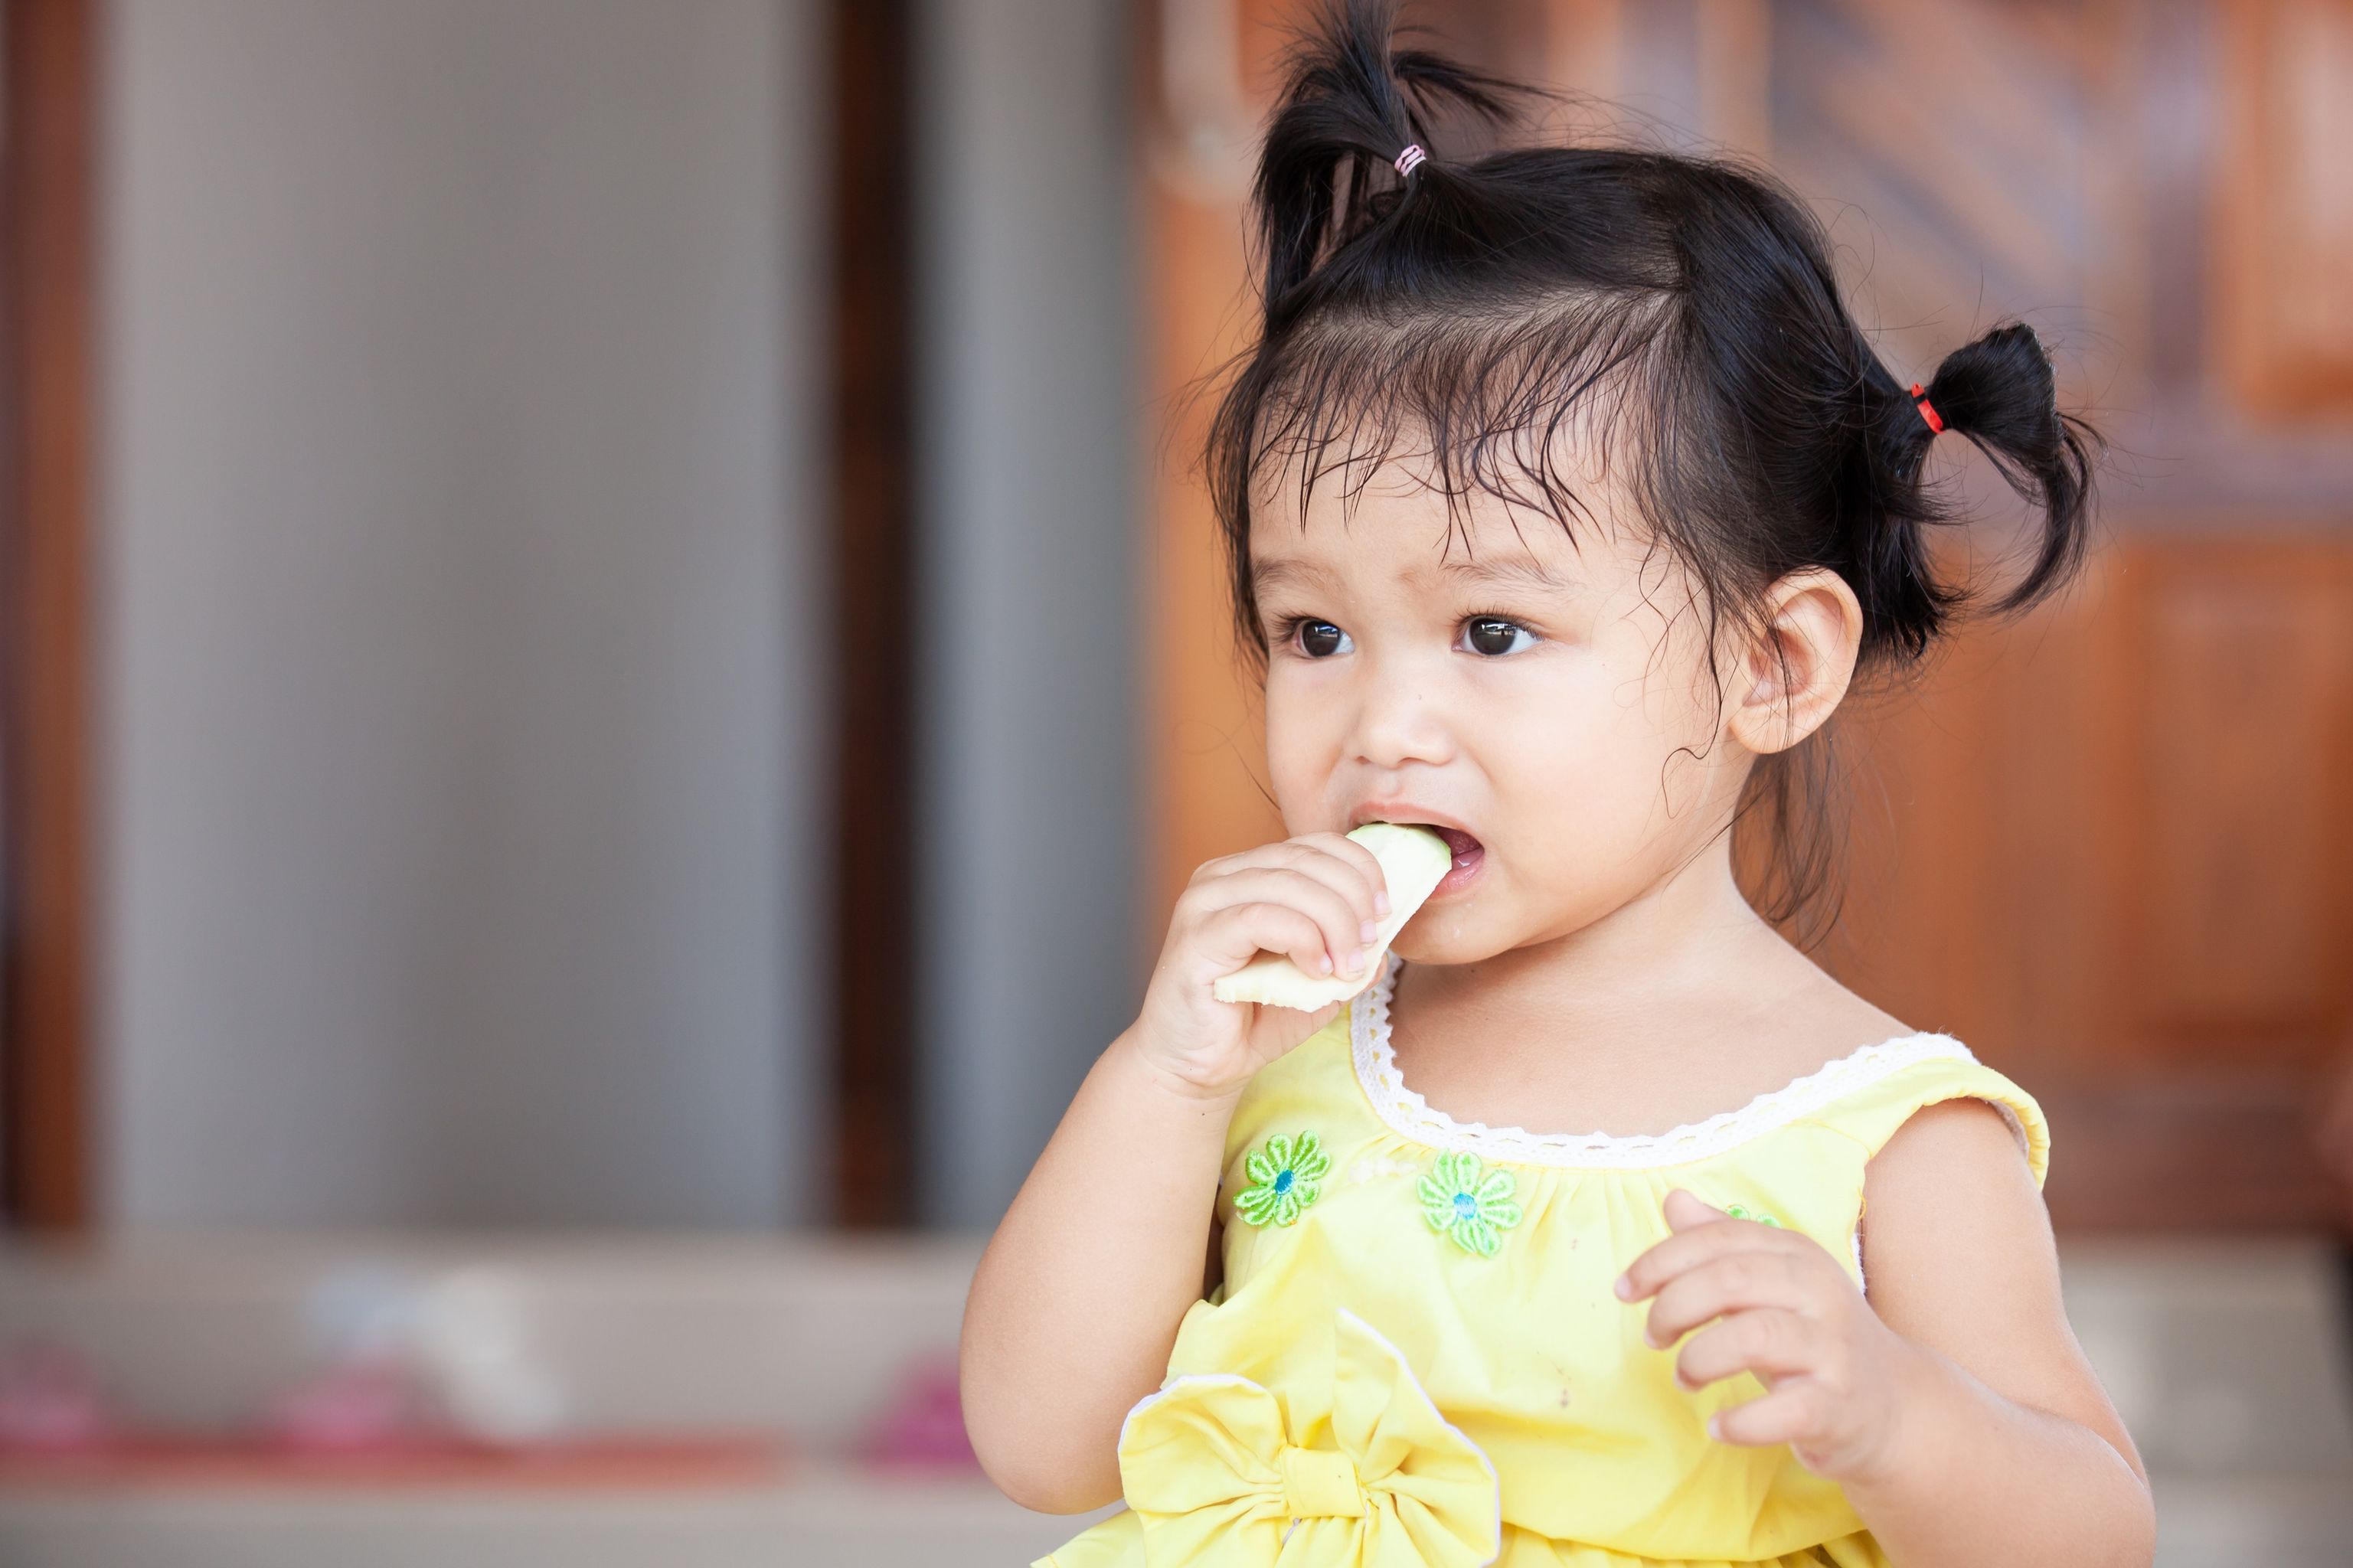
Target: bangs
<point x="1523" y="401"/>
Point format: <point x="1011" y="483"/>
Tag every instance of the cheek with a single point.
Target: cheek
<point x="1578" y="765"/>
<point x="1302" y="744"/>
<point x="1600" y="764"/>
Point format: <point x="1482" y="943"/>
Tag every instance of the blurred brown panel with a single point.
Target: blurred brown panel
<point x="2228" y="1147"/>
<point x="2284" y="316"/>
<point x="45" y="188"/>
<point x="873" y="385"/>
<point x="1205" y="748"/>
<point x="2245" y="790"/>
<point x="1206" y="69"/>
<point x="2108" y="847"/>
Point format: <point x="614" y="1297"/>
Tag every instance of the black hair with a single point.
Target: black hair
<point x="1683" y="308"/>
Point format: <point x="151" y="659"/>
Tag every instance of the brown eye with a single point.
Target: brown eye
<point x="1493" y="637"/>
<point x="1322" y="639"/>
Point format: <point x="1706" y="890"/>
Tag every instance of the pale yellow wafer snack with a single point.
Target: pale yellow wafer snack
<point x="1414" y="860"/>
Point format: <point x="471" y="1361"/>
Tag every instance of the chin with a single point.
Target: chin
<point x="1453" y="941"/>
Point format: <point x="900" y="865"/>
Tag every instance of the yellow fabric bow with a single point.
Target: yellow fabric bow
<point x="1214" y="1478"/>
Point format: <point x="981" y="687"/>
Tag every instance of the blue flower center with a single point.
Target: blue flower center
<point x="1281" y="1183"/>
<point x="1465" y="1206"/>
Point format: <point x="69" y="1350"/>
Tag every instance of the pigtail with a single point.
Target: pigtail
<point x="1329" y="169"/>
<point x="2000" y="393"/>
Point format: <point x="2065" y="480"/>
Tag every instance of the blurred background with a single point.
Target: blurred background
<point x="612" y="656"/>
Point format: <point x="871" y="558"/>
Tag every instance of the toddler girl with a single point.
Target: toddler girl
<point x="1565" y="501"/>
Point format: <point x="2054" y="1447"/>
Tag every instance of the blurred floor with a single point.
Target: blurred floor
<point x="2228" y="1359"/>
<point x="2228" y="1362"/>
<point x="842" y="1518"/>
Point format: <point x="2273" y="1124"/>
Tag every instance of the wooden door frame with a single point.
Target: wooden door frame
<point x="871" y="295"/>
<point x="46" y="289"/>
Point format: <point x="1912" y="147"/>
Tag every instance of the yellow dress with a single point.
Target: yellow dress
<point x="1416" y="1359"/>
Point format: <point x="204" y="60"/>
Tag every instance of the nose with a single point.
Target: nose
<point x="1398" y="722"/>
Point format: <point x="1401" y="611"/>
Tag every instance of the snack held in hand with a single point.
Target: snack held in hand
<point x="1414" y="860"/>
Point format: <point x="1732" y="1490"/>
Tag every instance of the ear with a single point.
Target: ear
<point x="1797" y="666"/>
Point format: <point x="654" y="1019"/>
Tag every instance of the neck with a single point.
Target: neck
<point x="1688" y="934"/>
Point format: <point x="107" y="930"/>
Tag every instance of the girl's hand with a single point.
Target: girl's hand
<point x="1313" y="899"/>
<point x="1771" y="1302"/>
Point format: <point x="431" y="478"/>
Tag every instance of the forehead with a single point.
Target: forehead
<point x="1394" y="521"/>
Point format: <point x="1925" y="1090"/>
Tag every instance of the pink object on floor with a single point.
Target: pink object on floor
<point x="353" y="1406"/>
<point x="50" y="1400"/>
<point x="923" y="1425"/>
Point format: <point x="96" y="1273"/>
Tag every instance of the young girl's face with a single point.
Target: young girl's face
<point x="1550" y="707"/>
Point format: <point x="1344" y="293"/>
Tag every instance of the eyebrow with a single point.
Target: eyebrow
<point x="1521" y="569"/>
<point x="1525" y="570"/>
<point x="1275" y="573"/>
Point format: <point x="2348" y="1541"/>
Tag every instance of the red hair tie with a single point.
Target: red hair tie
<point x="1928" y="410"/>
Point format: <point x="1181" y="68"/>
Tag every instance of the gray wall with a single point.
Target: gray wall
<point x="1030" y="617"/>
<point x="461" y="694"/>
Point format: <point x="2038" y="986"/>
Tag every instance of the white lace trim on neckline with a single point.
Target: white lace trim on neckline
<point x="1404" y="1110"/>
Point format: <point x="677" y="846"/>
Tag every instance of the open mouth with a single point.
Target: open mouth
<point x="1468" y="854"/>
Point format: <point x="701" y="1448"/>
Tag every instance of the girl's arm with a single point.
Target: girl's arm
<point x="2006" y="1436"/>
<point x="1954" y="1408"/>
<point x="1076" y="1303"/>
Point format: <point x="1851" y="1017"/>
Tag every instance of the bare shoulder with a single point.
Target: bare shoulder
<point x="1958" y="1257"/>
<point x="1950" y="1139"/>
<point x="1952" y="1192"/>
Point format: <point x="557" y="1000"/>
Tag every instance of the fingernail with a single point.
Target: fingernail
<point x="1350" y="960"/>
<point x="1367" y="932"/>
<point x="1381" y="901"/>
<point x="1715" y="1429"/>
<point x="1324" y="964"/>
<point x="1625" y="1286"/>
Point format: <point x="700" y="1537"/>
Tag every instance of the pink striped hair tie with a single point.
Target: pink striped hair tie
<point x="1410" y="160"/>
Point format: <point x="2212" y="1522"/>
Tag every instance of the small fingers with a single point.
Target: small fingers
<point x="1335" y="859"/>
<point x="1367" y="865"/>
<point x="1233" y="936"/>
<point x="1795" y="1412"/>
<point x="1729" y="1283"/>
<point x="1345" y="875"/>
<point x="1683" y="1210"/>
<point x="1773" y="1344"/>
<point x="1687" y="1249"/>
<point x="1343" y="940"/>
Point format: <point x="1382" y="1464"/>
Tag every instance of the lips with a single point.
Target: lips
<point x="1469" y="854"/>
<point x="1465" y="847"/>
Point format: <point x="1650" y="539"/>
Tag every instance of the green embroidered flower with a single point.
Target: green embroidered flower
<point x="1737" y="1212"/>
<point x="1472" y="1209"/>
<point x="1285" y="1176"/>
